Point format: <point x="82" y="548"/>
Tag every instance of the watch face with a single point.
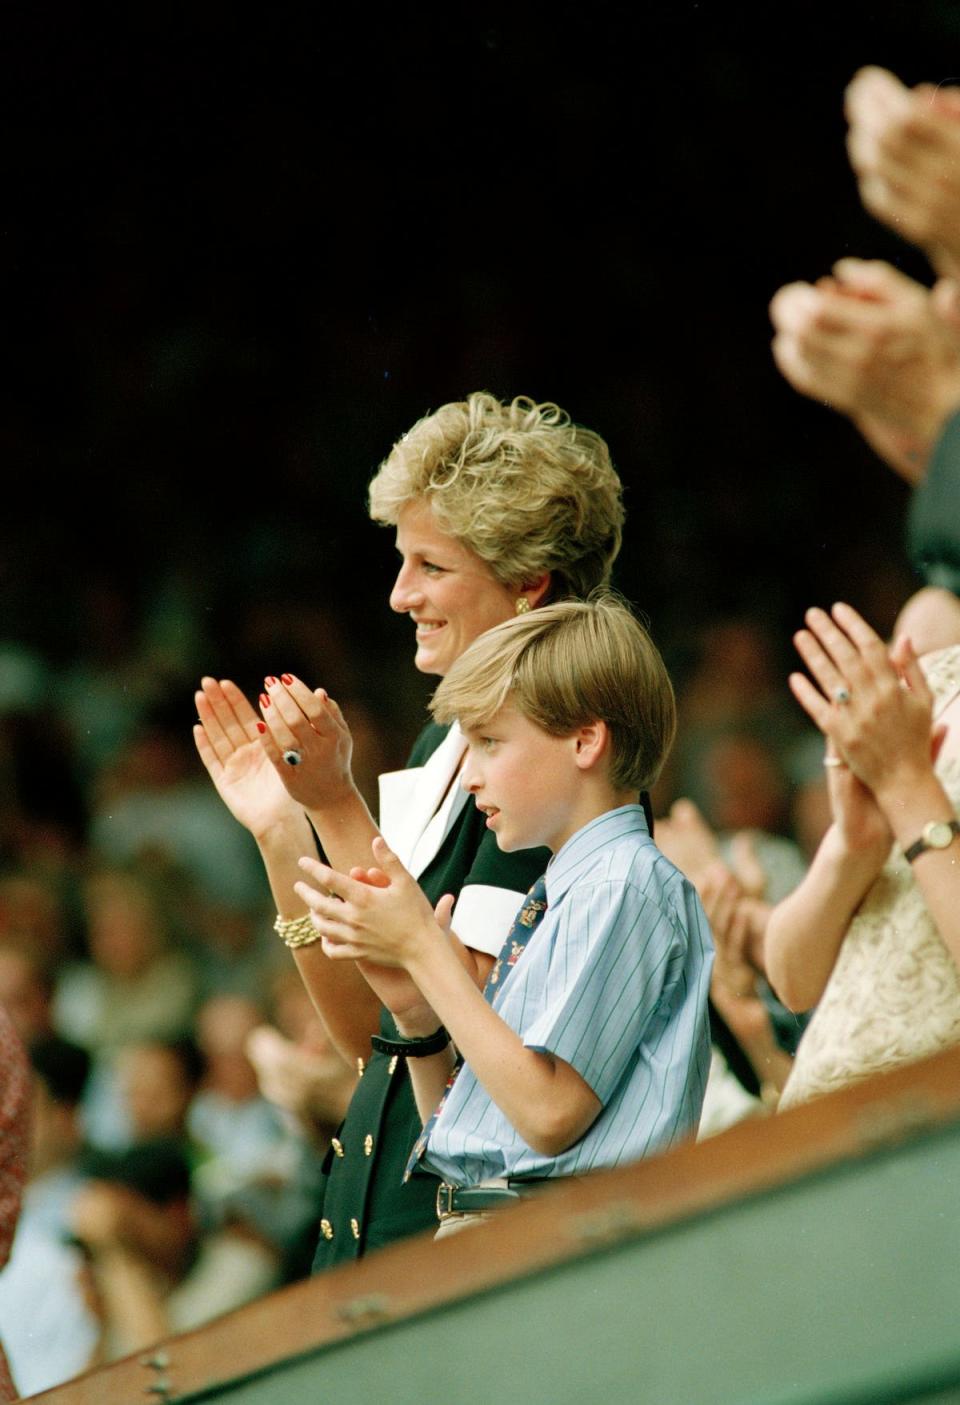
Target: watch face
<point x="939" y="834"/>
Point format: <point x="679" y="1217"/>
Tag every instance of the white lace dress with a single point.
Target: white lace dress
<point x="894" y="993"/>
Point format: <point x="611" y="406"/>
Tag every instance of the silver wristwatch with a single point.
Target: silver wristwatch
<point x="938" y="834"/>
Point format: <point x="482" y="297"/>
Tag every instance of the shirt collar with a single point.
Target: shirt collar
<point x="581" y="848"/>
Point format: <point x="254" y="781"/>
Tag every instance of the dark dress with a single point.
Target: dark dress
<point x="366" y="1203"/>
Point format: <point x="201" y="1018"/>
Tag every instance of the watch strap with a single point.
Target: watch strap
<point x="921" y="845"/>
<point x="412" y="1048"/>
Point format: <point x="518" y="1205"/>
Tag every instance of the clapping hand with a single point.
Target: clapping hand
<point x="875" y="709"/>
<point x="230" y="748"/>
<point x="307" y="741"/>
<point x="904" y="146"/>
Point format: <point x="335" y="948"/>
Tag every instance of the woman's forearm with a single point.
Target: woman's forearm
<point x="909" y="806"/>
<point x="349" y="1009"/>
<point x="805" y="930"/>
<point x="346" y="831"/>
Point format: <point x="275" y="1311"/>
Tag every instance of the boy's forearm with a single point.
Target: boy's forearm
<point x="428" y="1076"/>
<point x="545" y="1099"/>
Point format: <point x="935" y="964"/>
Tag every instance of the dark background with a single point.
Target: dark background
<point x="243" y="252"/>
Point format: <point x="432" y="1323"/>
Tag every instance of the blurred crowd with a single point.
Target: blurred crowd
<point x="184" y="1090"/>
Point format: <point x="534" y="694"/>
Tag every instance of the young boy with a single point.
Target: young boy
<point x="589" y="1045"/>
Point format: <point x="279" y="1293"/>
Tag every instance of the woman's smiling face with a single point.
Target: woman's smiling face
<point x="449" y="593"/>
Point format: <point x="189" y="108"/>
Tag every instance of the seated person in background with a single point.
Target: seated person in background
<point x="259" y="1177"/>
<point x="57" y="1150"/>
<point x="14" y="1123"/>
<point x="872" y="934"/>
<point x="50" y="1330"/>
<point x="26" y="993"/>
<point x="239" y="1129"/>
<point x="734" y="897"/>
<point x="297" y="1067"/>
<point x="137" y="987"/>
<point x="589" y="1045"/>
<point x="135" y="1217"/>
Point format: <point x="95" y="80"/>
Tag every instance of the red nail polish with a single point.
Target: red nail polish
<point x="261" y="726"/>
<point x="264" y="700"/>
<point x="286" y="679"/>
<point x="270" y="682"/>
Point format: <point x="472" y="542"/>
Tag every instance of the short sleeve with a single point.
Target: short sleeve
<point x="615" y="956"/>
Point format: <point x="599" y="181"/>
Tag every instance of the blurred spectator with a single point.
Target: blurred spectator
<point x="240" y="1130"/>
<point x="135" y="987"/>
<point x="153" y="806"/>
<point x="43" y="812"/>
<point x="735" y="887"/>
<point x="26" y="992"/>
<point x="809" y="800"/>
<point x="258" y="1184"/>
<point x="735" y="677"/>
<point x="235" y="951"/>
<point x="134" y="1215"/>
<point x="297" y="1067"/>
<point x="106" y="690"/>
<point x="735" y="727"/>
<point x="14" y="1122"/>
<point x="32" y="917"/>
<point x="50" y="1328"/>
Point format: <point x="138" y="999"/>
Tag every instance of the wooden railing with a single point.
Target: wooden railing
<point x="575" y="1220"/>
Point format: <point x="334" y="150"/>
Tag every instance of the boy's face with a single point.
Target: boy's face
<point x="527" y="782"/>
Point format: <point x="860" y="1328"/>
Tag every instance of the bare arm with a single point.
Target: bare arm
<point x="883" y="733"/>
<point x="251" y="787"/>
<point x="910" y="804"/>
<point x="806" y="930"/>
<point x="543" y="1097"/>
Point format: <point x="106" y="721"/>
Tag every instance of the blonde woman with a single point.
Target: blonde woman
<point x="498" y="508"/>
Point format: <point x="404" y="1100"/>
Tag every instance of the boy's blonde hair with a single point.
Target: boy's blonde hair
<point x="517" y="483"/>
<point x="566" y="665"/>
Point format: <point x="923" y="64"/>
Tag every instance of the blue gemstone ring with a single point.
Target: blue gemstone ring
<point x="292" y="758"/>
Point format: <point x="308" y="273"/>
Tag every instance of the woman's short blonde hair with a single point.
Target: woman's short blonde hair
<point x="566" y="665"/>
<point x="518" y="483"/>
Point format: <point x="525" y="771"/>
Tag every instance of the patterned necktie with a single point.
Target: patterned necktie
<point x="522" y="929"/>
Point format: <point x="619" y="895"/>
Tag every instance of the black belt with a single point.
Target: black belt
<point x="473" y="1199"/>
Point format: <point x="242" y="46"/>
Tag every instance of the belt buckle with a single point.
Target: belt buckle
<point x="445" y="1193"/>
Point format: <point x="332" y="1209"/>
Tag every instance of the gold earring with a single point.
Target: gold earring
<point x="523" y="605"/>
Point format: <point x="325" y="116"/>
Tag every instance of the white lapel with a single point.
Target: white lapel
<point x="418" y="806"/>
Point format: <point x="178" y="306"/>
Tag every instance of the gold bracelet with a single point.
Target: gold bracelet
<point x="296" y="931"/>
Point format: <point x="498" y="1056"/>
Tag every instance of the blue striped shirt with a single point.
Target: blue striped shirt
<point x="615" y="982"/>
